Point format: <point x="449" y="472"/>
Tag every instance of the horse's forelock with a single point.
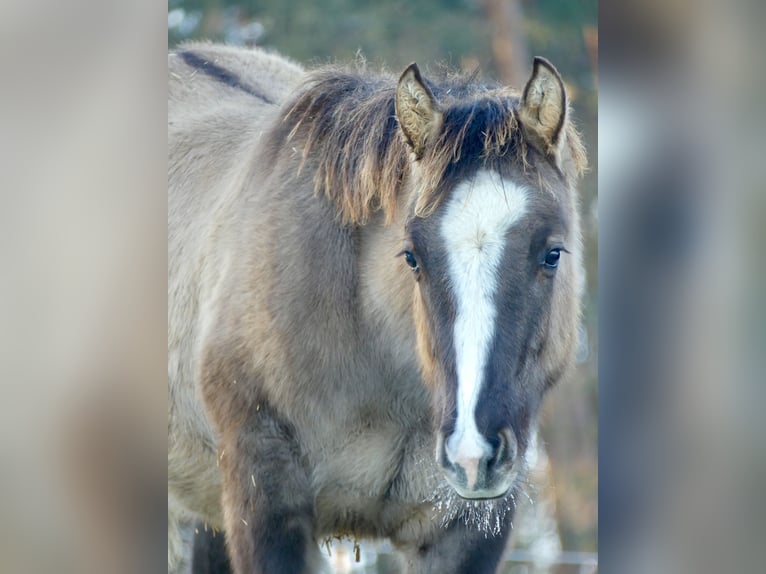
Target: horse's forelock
<point x="479" y="132"/>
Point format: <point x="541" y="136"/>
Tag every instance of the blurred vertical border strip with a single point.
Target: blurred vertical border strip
<point x="82" y="307"/>
<point x="681" y="209"/>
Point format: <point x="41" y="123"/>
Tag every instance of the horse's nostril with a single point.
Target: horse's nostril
<point x="506" y="449"/>
<point x="497" y="454"/>
<point x="444" y="458"/>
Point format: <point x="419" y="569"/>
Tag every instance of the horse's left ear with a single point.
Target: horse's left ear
<point x="417" y="111"/>
<point x="543" y="107"/>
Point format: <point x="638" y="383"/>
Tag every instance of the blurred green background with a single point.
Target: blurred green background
<point x="499" y="37"/>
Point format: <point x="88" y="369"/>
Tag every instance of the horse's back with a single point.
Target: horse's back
<point x="220" y="101"/>
<point x="208" y="74"/>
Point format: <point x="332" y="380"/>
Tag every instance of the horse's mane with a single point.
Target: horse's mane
<point x="344" y="124"/>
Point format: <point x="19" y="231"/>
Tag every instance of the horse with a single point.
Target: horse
<point x="372" y="283"/>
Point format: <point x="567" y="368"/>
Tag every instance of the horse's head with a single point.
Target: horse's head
<point x="492" y="243"/>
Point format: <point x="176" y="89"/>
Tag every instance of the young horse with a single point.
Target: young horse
<point x="371" y="286"/>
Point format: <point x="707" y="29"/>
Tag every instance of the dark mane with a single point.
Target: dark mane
<point x="343" y="123"/>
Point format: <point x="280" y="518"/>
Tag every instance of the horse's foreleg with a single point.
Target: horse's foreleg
<point x="209" y="555"/>
<point x="179" y="540"/>
<point x="460" y="549"/>
<point x="268" y="508"/>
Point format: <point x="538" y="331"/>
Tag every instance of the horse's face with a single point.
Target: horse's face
<point x="495" y="280"/>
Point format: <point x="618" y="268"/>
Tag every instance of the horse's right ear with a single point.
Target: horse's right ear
<point x="416" y="110"/>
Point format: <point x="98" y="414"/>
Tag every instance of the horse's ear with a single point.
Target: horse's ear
<point x="416" y="110"/>
<point x="543" y="107"/>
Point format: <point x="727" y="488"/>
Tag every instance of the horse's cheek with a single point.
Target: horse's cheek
<point x="425" y="346"/>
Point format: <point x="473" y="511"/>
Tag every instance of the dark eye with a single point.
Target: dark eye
<point x="552" y="258"/>
<point x="411" y="261"/>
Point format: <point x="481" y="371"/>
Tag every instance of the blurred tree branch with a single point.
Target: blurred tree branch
<point x="509" y="47"/>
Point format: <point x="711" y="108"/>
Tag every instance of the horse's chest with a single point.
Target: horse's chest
<point x="354" y="480"/>
<point x="358" y="444"/>
<point x="362" y="462"/>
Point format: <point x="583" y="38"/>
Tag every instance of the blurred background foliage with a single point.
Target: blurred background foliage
<point x="499" y="37"/>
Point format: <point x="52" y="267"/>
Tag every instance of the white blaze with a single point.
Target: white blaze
<point x="476" y="221"/>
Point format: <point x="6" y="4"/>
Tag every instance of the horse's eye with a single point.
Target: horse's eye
<point x="411" y="261"/>
<point x="552" y="258"/>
